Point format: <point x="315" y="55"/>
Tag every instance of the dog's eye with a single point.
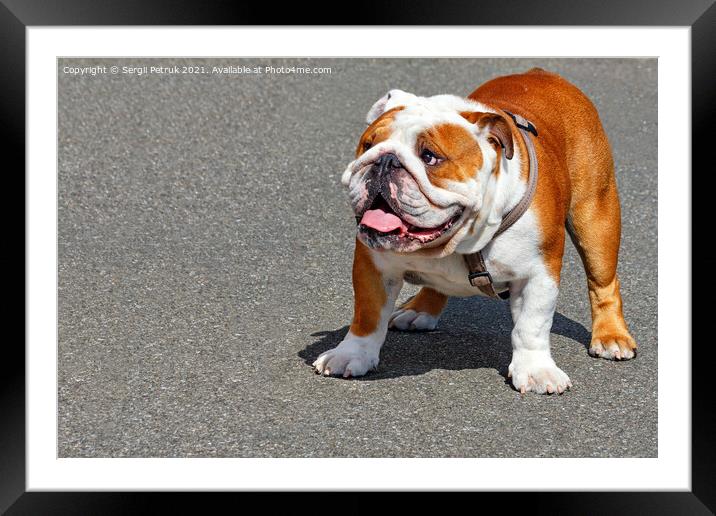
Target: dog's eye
<point x="367" y="145"/>
<point x="429" y="158"/>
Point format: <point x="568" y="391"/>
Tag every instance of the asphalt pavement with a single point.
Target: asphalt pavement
<point x="205" y="248"/>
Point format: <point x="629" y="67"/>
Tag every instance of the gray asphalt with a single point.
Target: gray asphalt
<point x="205" y="248"/>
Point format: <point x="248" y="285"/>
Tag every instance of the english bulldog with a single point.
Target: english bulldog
<point x="433" y="182"/>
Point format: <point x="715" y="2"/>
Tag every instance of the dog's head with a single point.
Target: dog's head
<point x="422" y="170"/>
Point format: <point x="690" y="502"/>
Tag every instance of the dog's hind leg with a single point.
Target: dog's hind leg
<point x="421" y="313"/>
<point x="594" y="224"/>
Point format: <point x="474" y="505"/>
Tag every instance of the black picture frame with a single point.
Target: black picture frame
<point x="699" y="15"/>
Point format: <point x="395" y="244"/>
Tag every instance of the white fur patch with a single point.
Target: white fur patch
<point x="535" y="371"/>
<point x="355" y="356"/>
<point x="387" y="102"/>
<point x="410" y="320"/>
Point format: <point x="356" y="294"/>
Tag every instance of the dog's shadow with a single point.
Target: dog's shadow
<point x="473" y="333"/>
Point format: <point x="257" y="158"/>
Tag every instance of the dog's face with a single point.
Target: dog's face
<point x="421" y="170"/>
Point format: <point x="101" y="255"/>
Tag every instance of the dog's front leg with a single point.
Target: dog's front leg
<point x="533" y="303"/>
<point x="375" y="295"/>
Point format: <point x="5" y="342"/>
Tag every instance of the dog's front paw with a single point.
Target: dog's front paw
<point x="410" y="320"/>
<point x="347" y="359"/>
<point x="536" y="371"/>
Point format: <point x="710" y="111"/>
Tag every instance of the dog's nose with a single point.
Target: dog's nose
<point x="388" y="162"/>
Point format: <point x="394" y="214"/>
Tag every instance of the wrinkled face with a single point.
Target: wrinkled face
<point x="420" y="169"/>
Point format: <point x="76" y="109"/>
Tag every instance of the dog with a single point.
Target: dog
<point x="472" y="196"/>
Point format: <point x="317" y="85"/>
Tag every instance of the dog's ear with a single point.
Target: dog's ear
<point x="393" y="98"/>
<point x="497" y="127"/>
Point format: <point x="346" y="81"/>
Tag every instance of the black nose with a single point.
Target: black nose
<point x="388" y="162"/>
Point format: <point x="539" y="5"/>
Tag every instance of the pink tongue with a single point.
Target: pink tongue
<point x="382" y="221"/>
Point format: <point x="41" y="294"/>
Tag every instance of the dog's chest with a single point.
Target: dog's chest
<point x="446" y="275"/>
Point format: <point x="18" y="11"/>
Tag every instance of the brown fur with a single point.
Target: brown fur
<point x="461" y="153"/>
<point x="369" y="292"/>
<point x="428" y="301"/>
<point x="378" y="131"/>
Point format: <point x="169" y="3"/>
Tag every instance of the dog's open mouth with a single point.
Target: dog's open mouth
<point x="380" y="220"/>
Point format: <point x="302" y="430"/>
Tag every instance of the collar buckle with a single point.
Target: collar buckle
<point x="475" y="282"/>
